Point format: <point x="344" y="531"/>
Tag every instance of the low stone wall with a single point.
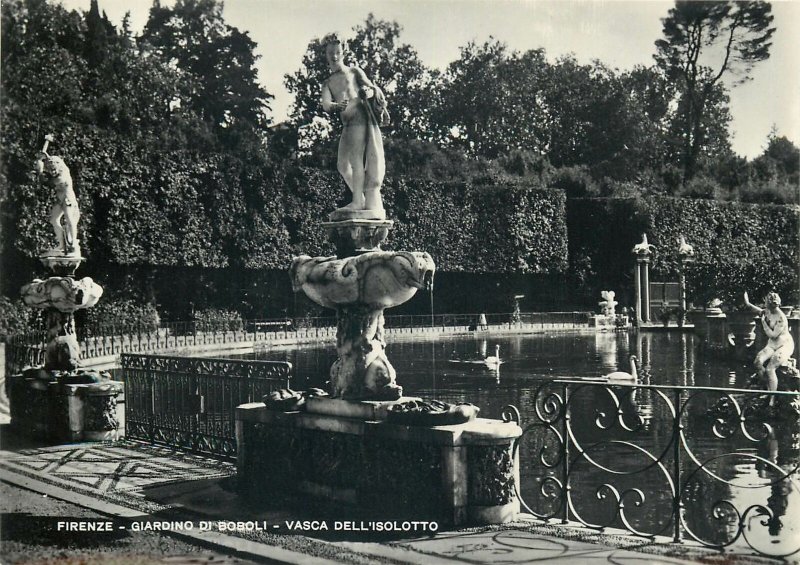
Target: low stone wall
<point x="449" y="474"/>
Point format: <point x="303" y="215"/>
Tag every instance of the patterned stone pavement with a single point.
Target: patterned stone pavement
<point x="127" y="473"/>
<point x="120" y="471"/>
<point x="514" y="546"/>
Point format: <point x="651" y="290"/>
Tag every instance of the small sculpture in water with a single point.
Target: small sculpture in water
<point x="780" y="346"/>
<point x="362" y="108"/>
<point x="608" y="304"/>
<point x="53" y="173"/>
<point x="492" y="362"/>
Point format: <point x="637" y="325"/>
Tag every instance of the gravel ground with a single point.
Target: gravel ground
<point x="28" y="536"/>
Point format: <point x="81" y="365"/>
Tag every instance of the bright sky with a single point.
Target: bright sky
<point x="620" y="33"/>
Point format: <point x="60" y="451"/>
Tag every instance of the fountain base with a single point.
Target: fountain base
<point x="464" y="473"/>
<point x="65" y="407"/>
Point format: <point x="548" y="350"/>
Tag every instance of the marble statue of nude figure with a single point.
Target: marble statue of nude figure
<point x="54" y="174"/>
<point x="780" y="345"/>
<point x="361" y="106"/>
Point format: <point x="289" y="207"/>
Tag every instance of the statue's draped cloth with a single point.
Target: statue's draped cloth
<point x="363" y="119"/>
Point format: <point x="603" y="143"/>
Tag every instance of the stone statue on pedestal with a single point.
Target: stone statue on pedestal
<point x="643" y="249"/>
<point x="780" y="346"/>
<point x="361" y="281"/>
<point x="60" y="401"/>
<point x="608" y="304"/>
<point x="53" y="173"/>
<point x="362" y="108"/>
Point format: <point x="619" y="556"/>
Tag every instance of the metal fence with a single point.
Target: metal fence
<point x="714" y="465"/>
<point x="24" y="350"/>
<point x="190" y="403"/>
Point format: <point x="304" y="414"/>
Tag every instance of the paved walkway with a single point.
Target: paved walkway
<point x="136" y="483"/>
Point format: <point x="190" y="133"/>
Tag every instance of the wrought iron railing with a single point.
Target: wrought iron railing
<point x="715" y="465"/>
<point x="24" y="350"/>
<point x="190" y="403"/>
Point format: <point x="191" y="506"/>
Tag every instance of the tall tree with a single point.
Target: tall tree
<point x="491" y="101"/>
<point x="735" y="33"/>
<point x="193" y="36"/>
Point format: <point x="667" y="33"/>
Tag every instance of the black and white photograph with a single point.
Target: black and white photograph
<point x="428" y="282"/>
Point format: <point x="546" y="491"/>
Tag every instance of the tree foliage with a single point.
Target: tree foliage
<point x="161" y="177"/>
<point x="221" y="83"/>
<point x="737" y="246"/>
<point x="736" y="33"/>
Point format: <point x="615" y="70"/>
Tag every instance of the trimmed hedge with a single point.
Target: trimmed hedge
<point x="217" y="211"/>
<point x="479" y="228"/>
<point x="738" y="247"/>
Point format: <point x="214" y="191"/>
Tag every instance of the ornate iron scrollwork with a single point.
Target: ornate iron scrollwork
<point x="657" y="460"/>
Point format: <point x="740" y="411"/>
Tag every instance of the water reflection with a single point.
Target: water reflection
<point x="639" y="416"/>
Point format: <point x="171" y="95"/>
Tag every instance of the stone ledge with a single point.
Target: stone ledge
<point x="360" y="409"/>
<point x="60" y="412"/>
<point x="457" y="473"/>
<point x="481" y="431"/>
<point x="346" y="214"/>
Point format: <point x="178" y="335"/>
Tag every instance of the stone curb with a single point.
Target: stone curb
<point x="240" y="547"/>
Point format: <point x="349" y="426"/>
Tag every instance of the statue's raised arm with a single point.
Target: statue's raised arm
<point x="362" y="108"/>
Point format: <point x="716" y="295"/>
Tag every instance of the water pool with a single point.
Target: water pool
<point x="742" y="476"/>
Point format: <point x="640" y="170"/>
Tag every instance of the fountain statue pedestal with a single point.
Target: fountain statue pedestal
<point x="59" y="402"/>
<point x="48" y="407"/>
<point x="465" y="473"/>
<point x="353" y="236"/>
<point x="346" y="447"/>
<point x="359" y="288"/>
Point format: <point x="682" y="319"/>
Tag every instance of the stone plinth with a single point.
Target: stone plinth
<point x="697" y="317"/>
<point x="62" y="265"/>
<point x="354" y="236"/>
<point x="601" y="321"/>
<point x="450" y="474"/>
<point x="717" y="323"/>
<point x="741" y="328"/>
<point x="62" y="412"/>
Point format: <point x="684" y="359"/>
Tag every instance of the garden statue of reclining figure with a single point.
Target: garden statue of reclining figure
<point x="780" y="346"/>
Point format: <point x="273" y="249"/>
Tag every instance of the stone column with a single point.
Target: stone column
<point x="637" y="277"/>
<point x="643" y="251"/>
<point x="685" y="256"/>
<point x="646" y="287"/>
